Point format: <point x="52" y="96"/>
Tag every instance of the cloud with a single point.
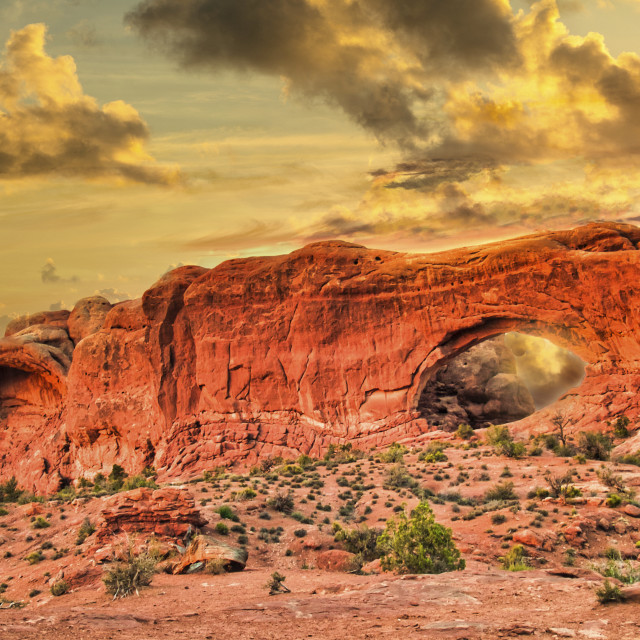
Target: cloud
<point x="371" y="58"/>
<point x="492" y="109"/>
<point x="258" y="233"/>
<point x="49" y="127"/>
<point x="548" y="371"/>
<point x="49" y="273"/>
<point x="113" y="295"/>
<point x="84" y="35"/>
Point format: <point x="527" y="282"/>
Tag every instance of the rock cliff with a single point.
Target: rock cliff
<point x="331" y="343"/>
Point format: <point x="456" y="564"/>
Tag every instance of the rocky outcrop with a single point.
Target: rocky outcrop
<point x="332" y="343"/>
<point x="165" y="512"/>
<point x="87" y="317"/>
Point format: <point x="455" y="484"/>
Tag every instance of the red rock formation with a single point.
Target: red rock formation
<point x="163" y="512"/>
<point x="332" y="343"/>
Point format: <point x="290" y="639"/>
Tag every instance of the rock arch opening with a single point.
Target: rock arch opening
<point x="503" y="379"/>
<point x="20" y="389"/>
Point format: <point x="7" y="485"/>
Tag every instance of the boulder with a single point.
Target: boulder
<point x="203" y="549"/>
<point x="167" y="512"/>
<point x="528" y="538"/>
<point x="631" y="510"/>
<point x="335" y="560"/>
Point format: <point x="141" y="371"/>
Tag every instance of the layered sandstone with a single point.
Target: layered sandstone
<point x="332" y="343"/>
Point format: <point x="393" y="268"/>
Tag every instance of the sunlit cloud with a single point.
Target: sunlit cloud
<point x="50" y="127"/>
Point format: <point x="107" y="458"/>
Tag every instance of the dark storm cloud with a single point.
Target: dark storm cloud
<point x="370" y="58"/>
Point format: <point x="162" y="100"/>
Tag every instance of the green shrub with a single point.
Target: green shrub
<point x="135" y="482"/>
<point x="614" y="500"/>
<point x="59" y="588"/>
<point x="116" y="477"/>
<point x="501" y="491"/>
<point x="515" y="559"/>
<point x="502" y="442"/>
<point x="245" y="494"/>
<point x="418" y="544"/>
<point x="3" y="512"/>
<point x="9" y="491"/>
<point x="431" y="457"/>
<point x="621" y="570"/>
<point x="362" y="541"/>
<point x="562" y="485"/>
<point x="226" y="512"/>
<point x="40" y="523"/>
<point x="609" y="593"/>
<point x="395" y="453"/>
<point x="399" y="478"/>
<point x="464" y="431"/>
<point x="633" y="458"/>
<point x="35" y="557"/>
<point x="130" y="575"/>
<point x="620" y="427"/>
<point x="305" y="462"/>
<point x="594" y="445"/>
<point x="86" y="530"/>
<point x="300" y="533"/>
<point x="222" y="529"/>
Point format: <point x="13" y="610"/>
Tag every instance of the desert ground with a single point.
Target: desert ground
<point x="569" y="541"/>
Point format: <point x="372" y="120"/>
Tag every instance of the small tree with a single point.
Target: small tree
<point x="418" y="544"/>
<point x="594" y="445"/>
<point x="561" y="422"/>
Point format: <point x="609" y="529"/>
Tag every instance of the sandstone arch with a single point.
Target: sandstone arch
<point x="332" y="342"/>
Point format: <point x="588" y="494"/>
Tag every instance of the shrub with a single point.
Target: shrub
<point x="609" y="593"/>
<point x="498" y="518"/>
<point x="434" y="453"/>
<point x="227" y="513"/>
<point x="59" y="588"/>
<point x="619" y="569"/>
<point x="502" y="442"/>
<point x="216" y="566"/>
<point x="282" y="502"/>
<point x="362" y="541"/>
<point x="614" y="500"/>
<point x="418" y="544"/>
<point x="9" y="491"/>
<point x="40" y="523"/>
<point x="3" y="512"/>
<point x="86" y="529"/>
<point x="399" y="478"/>
<point x="305" y="461"/>
<point x="612" y="481"/>
<point x="116" y="477"/>
<point x="620" y="427"/>
<point x="222" y="529"/>
<point x="35" y="557"/>
<point x="594" y="445"/>
<point x="246" y="494"/>
<point x="515" y="559"/>
<point x="300" y="533"/>
<point x="633" y="458"/>
<point x="501" y="491"/>
<point x="131" y="574"/>
<point x="395" y="453"/>
<point x="562" y="485"/>
<point x="464" y="431"/>
<point x="135" y="482"/>
<point x="276" y="584"/>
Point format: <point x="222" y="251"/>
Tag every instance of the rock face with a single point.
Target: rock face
<point x="479" y="387"/>
<point x="332" y="343"/>
<point x="165" y="512"/>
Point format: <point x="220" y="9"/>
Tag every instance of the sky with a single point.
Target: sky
<point x="138" y="136"/>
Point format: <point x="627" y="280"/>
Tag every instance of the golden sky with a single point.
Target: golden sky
<point x="141" y="135"/>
